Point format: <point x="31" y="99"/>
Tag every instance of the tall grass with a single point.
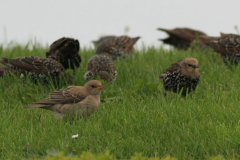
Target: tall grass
<point x="134" y="117"/>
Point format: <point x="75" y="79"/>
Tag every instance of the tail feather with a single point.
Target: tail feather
<point x="35" y="106"/>
<point x="207" y="39"/>
<point x="162" y="29"/>
<point x="4" y="60"/>
<point x="135" y="39"/>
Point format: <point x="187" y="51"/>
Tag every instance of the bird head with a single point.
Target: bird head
<point x="190" y="65"/>
<point x="94" y="87"/>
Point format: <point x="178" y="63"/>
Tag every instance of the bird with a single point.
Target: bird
<point x="66" y="51"/>
<point x="101" y="39"/>
<point x="227" y="45"/>
<point x="117" y="46"/>
<point x="182" y="75"/>
<point x="38" y="68"/>
<point x="102" y="66"/>
<point x="72" y="102"/>
<point x="181" y="38"/>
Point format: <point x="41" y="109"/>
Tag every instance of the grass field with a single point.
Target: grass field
<point x="135" y="116"/>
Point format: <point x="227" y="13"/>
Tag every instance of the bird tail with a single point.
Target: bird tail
<point x="162" y="29"/>
<point x="135" y="39"/>
<point x="4" y="60"/>
<point x="34" y="105"/>
<point x="207" y="39"/>
<point x="223" y="34"/>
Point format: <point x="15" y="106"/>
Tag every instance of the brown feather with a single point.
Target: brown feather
<point x="118" y="46"/>
<point x="37" y="67"/>
<point x="74" y="100"/>
<point x="228" y="46"/>
<point x="100" y="65"/>
<point x="181" y="38"/>
<point x="182" y="74"/>
<point x="66" y="51"/>
<point x="101" y="39"/>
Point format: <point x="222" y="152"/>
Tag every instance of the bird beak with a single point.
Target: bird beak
<point x="195" y="66"/>
<point x="100" y="87"/>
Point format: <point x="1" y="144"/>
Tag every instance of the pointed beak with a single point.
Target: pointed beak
<point x="100" y="87"/>
<point x="195" y="66"/>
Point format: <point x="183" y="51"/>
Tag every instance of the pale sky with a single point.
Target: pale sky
<point x="86" y="20"/>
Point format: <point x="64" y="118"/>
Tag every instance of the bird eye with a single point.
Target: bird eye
<point x="93" y="86"/>
<point x="189" y="65"/>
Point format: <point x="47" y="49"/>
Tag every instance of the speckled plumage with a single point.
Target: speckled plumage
<point x="228" y="46"/>
<point x="182" y="38"/>
<point x="117" y="46"/>
<point x="182" y="74"/>
<point x="65" y="50"/>
<point x="101" y="39"/>
<point x="38" y="68"/>
<point x="102" y="66"/>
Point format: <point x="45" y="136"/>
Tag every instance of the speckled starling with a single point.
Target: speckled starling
<point x="181" y="38"/>
<point x="118" y="46"/>
<point x="74" y="101"/>
<point x="228" y="46"/>
<point x="182" y="75"/>
<point x="102" y="66"/>
<point x="38" y="68"/>
<point x="65" y="50"/>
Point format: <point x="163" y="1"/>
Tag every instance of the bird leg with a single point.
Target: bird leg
<point x="165" y="93"/>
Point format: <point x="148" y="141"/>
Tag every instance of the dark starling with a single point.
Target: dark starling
<point x="183" y="75"/>
<point x="228" y="46"/>
<point x="181" y="38"/>
<point x="38" y="68"/>
<point x="73" y="101"/>
<point x="101" y="39"/>
<point x="65" y="50"/>
<point x="102" y="66"/>
<point x="118" y="46"/>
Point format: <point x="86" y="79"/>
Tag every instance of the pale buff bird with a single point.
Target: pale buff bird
<point x="73" y="101"/>
<point x="182" y="74"/>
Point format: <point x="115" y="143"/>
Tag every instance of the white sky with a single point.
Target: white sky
<point x="86" y="20"/>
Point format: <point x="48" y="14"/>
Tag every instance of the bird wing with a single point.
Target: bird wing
<point x="101" y="39"/>
<point x="106" y="46"/>
<point x="31" y="63"/>
<point x="228" y="44"/>
<point x="184" y="33"/>
<point x="85" y="107"/>
<point x="174" y="67"/>
<point x="72" y="94"/>
<point x="64" y="49"/>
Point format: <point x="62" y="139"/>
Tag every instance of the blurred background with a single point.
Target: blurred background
<point x="87" y="20"/>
